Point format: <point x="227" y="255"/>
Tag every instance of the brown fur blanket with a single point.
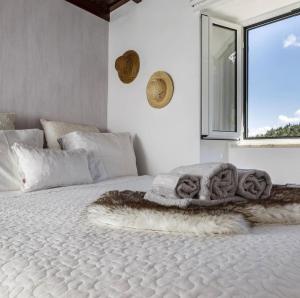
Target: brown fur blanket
<point x="283" y="207"/>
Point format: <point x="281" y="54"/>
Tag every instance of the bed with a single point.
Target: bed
<point x="49" y="249"/>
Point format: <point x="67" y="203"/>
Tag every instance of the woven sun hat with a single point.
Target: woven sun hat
<point x="128" y="66"/>
<point x="160" y="89"/>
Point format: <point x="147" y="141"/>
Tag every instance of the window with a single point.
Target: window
<point x="221" y="79"/>
<point x="272" y="78"/>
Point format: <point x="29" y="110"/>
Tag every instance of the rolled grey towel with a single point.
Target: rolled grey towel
<point x="254" y="184"/>
<point x="188" y="186"/>
<point x="219" y="180"/>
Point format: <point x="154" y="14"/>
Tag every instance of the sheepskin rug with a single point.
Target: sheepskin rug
<point x="129" y="210"/>
<point x="171" y="222"/>
<point x="281" y="214"/>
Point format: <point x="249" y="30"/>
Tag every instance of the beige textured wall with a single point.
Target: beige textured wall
<point x="53" y="62"/>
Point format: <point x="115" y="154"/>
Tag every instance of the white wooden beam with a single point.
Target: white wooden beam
<point x="199" y="5"/>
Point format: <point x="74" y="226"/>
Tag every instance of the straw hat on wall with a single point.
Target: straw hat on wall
<point x="160" y="89"/>
<point x="128" y="66"/>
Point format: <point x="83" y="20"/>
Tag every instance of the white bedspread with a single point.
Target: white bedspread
<point x="48" y="249"/>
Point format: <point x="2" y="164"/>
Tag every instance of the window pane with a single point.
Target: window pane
<point x="273" y="79"/>
<point x="224" y="78"/>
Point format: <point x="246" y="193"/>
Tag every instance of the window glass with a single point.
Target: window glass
<point x="273" y="79"/>
<point x="224" y="78"/>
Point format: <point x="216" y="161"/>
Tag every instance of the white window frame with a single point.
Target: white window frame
<point x="273" y="18"/>
<point x="207" y="83"/>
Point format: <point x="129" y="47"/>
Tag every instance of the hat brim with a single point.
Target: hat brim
<point x="135" y="60"/>
<point x="160" y="103"/>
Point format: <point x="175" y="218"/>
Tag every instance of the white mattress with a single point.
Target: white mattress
<point x="48" y="249"/>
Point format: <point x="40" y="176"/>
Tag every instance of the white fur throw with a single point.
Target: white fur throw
<point x="129" y="210"/>
<point x="174" y="222"/>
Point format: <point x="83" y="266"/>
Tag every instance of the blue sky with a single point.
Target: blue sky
<point x="274" y="75"/>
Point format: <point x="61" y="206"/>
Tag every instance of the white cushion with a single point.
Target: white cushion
<point x="110" y="155"/>
<point x="55" y="129"/>
<point x="47" y="168"/>
<point x="7" y="121"/>
<point x="9" y="179"/>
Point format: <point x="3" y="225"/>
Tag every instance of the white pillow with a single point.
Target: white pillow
<point x="7" y="121"/>
<point x="110" y="155"/>
<point x="55" y="129"/>
<point x="46" y="168"/>
<point x="9" y="178"/>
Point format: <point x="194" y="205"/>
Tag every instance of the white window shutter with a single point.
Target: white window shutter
<point x="221" y="91"/>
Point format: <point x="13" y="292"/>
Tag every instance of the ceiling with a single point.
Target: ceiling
<point x="244" y="11"/>
<point x="101" y="8"/>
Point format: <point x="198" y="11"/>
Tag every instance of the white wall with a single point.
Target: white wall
<point x="166" y="35"/>
<point x="283" y="164"/>
<point x="53" y="62"/>
<point x="214" y="151"/>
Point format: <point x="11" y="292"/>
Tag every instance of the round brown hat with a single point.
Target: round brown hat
<point x="128" y="66"/>
<point x="160" y="89"/>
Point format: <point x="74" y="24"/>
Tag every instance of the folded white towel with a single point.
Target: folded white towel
<point x="155" y="197"/>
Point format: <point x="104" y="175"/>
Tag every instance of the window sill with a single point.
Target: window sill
<point x="282" y="143"/>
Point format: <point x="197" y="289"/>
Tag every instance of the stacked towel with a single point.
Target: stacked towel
<point x="209" y="184"/>
<point x="201" y="184"/>
<point x="219" y="180"/>
<point x="254" y="184"/>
